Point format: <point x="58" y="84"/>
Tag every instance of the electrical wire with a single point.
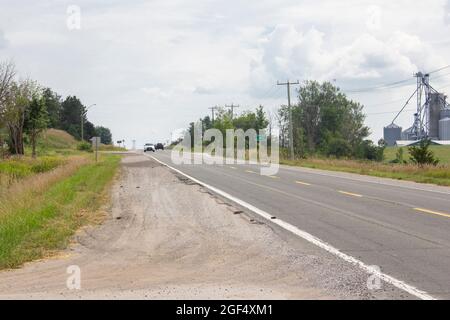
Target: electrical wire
<point x="387" y="112"/>
<point x="407" y="102"/>
<point x="396" y="84"/>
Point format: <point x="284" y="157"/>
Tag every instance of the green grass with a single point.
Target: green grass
<point x="439" y="175"/>
<point x="39" y="222"/>
<point x="15" y="169"/>
<point x="441" y="152"/>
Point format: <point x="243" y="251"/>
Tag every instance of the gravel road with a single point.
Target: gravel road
<point x="167" y="238"/>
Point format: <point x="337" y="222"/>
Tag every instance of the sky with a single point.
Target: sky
<point x="151" y="67"/>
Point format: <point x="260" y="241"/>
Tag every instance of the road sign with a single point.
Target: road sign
<point x="261" y="137"/>
<point x="95" y="144"/>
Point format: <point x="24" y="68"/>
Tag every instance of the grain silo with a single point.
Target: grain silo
<point x="437" y="103"/>
<point x="445" y="113"/>
<point x="444" y="129"/>
<point x="392" y="133"/>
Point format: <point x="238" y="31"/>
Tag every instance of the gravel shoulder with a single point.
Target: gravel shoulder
<point x="168" y="238"/>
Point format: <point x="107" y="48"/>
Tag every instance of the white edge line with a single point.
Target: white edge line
<point x="312" y="239"/>
<point x="391" y="182"/>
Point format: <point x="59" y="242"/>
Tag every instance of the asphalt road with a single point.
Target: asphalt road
<point x="402" y="227"/>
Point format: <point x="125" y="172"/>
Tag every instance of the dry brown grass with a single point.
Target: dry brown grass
<point x="428" y="174"/>
<point x="23" y="189"/>
<point x="59" y="134"/>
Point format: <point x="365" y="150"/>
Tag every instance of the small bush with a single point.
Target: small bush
<point x="46" y="164"/>
<point x="421" y="155"/>
<point x="84" y="146"/>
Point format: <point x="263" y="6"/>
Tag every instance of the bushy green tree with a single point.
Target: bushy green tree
<point x="89" y="130"/>
<point x="71" y="112"/>
<point x="323" y="119"/>
<point x="36" y="121"/>
<point x="104" y="134"/>
<point x="421" y="155"/>
<point x="52" y="102"/>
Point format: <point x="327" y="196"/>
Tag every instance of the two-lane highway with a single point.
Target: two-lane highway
<point x="402" y="227"/>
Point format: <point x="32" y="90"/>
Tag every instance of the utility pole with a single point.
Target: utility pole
<point x="291" y="128"/>
<point x="232" y="109"/>
<point x="213" y="109"/>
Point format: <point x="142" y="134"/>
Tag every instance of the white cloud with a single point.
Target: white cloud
<point x="3" y="41"/>
<point x="153" y="67"/>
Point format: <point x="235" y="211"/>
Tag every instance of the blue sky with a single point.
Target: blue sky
<point x="153" y="66"/>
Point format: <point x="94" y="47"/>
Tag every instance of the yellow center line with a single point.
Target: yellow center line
<point x="274" y="177"/>
<point x="303" y="183"/>
<point x="250" y="171"/>
<point x="350" y="194"/>
<point x="433" y="212"/>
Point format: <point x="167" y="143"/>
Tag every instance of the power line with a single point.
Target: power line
<point x="396" y="84"/>
<point x="387" y="112"/>
<point x="232" y="106"/>
<point x="213" y="109"/>
<point x="440" y="69"/>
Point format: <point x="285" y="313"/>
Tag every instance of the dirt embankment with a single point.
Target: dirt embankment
<point x="169" y="238"/>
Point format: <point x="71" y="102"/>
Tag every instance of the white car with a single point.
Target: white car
<point x="149" y="147"/>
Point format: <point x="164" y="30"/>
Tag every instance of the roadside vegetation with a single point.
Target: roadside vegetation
<point x="38" y="216"/>
<point x="439" y="174"/>
<point x="329" y="134"/>
<point x="50" y="184"/>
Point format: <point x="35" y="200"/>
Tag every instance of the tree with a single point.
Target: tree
<point x="421" y="155"/>
<point x="89" y="130"/>
<point x="104" y="134"/>
<point x="7" y="74"/>
<point x="324" y="116"/>
<point x="16" y="107"/>
<point x="36" y="121"/>
<point x="368" y="150"/>
<point x="52" y="102"/>
<point x="71" y="112"/>
<point x="261" y="119"/>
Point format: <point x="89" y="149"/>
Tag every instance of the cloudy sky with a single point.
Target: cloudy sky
<point x="153" y="66"/>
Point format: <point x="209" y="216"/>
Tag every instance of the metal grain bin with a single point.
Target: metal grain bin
<point x="444" y="129"/>
<point x="392" y="133"/>
<point x="445" y="114"/>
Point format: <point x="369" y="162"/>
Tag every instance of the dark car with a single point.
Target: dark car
<point x="159" y="146"/>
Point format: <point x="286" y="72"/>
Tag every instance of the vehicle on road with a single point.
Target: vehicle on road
<point x="149" y="147"/>
<point x="159" y="146"/>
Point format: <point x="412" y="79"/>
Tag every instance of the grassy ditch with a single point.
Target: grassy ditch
<point x="40" y="213"/>
<point x="14" y="170"/>
<point x="439" y="175"/>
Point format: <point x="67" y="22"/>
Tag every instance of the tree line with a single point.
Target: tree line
<point x="27" y="109"/>
<point x="223" y="120"/>
<point x="325" y="123"/>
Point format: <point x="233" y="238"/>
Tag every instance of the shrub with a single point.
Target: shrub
<point x="45" y="164"/>
<point x="338" y="147"/>
<point x="84" y="146"/>
<point x="421" y="155"/>
<point x="367" y="150"/>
